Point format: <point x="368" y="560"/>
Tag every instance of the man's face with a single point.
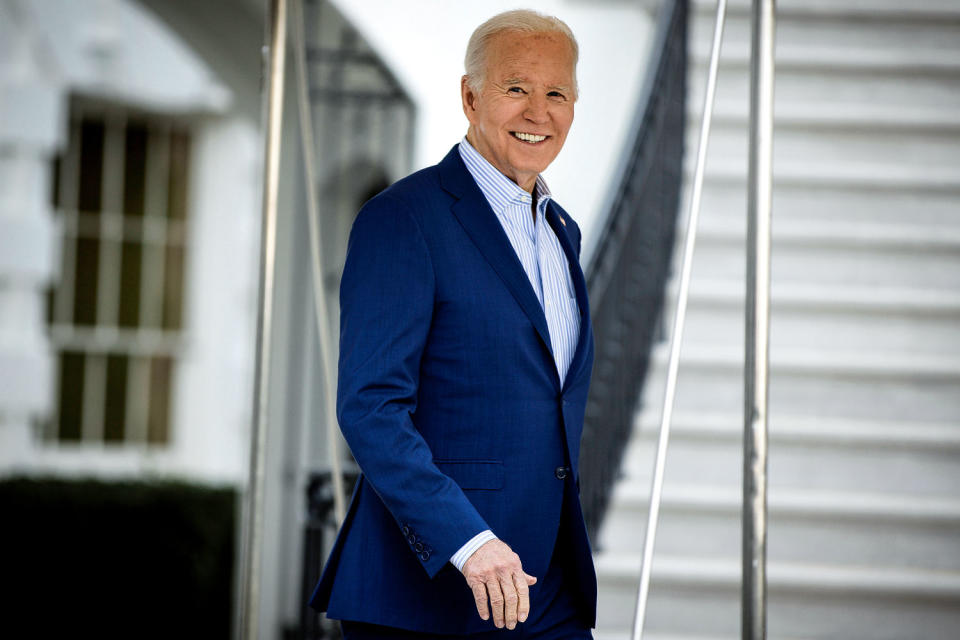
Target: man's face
<point x="520" y="120"/>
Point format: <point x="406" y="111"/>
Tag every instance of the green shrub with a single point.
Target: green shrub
<point x="85" y="558"/>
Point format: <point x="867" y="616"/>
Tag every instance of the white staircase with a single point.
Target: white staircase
<point x="864" y="527"/>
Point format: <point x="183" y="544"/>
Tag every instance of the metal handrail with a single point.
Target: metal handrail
<point x="676" y="338"/>
<point x="308" y="146"/>
<point x="757" y="353"/>
<point x="248" y="611"/>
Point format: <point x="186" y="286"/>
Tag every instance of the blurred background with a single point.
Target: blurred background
<point x="131" y="169"/>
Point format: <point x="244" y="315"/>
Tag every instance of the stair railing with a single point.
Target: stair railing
<point x="676" y="336"/>
<point x="629" y="263"/>
<point x="757" y="364"/>
<point x="756" y="379"/>
<point x="248" y="622"/>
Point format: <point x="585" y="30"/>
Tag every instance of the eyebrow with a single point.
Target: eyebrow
<point x="520" y="80"/>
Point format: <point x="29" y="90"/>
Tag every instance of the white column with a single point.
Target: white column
<point x="32" y="128"/>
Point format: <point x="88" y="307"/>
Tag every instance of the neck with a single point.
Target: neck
<point x="527" y="184"/>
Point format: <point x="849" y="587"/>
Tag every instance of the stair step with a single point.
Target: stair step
<point x="801" y="296"/>
<point x="874" y="365"/>
<point x="888" y="147"/>
<point x="816" y="383"/>
<point x="811" y="464"/>
<point x="836" y="59"/>
<point x="817" y="253"/>
<point x="625" y="635"/>
<point x="849" y="84"/>
<point x="881" y="582"/>
<point x="806" y="197"/>
<point x="803" y="430"/>
<point x="828" y="316"/>
<point x="841" y="234"/>
<point x="873" y="10"/>
<point x="875" y="119"/>
<point x="864" y="176"/>
<point x="700" y="595"/>
<point x="826" y="29"/>
<point x="804" y="526"/>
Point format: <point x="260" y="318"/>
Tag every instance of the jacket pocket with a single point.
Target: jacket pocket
<point x="474" y="474"/>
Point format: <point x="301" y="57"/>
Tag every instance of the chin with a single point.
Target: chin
<point x="538" y="166"/>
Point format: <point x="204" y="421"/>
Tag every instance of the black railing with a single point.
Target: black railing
<point x="318" y="535"/>
<point x="628" y="272"/>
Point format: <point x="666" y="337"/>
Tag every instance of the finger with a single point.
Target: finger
<point x="530" y="579"/>
<point x="496" y="602"/>
<point x="511" y="600"/>
<point x="523" y="597"/>
<point x="480" y="599"/>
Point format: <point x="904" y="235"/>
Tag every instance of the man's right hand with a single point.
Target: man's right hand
<point x="494" y="574"/>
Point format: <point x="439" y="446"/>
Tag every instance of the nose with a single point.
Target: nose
<point x="536" y="109"/>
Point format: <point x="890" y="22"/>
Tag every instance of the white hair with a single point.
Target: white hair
<point x="522" y="20"/>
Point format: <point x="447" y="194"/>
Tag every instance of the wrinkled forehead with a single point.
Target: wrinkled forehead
<point x="513" y="55"/>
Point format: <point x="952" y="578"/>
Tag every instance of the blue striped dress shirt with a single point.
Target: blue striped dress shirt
<point x="538" y="249"/>
<point x="546" y="267"/>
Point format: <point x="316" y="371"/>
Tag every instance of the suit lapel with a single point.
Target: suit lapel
<point x="481" y="224"/>
<point x="580" y="288"/>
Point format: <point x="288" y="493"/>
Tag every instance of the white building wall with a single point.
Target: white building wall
<point x="31" y="117"/>
<point x="113" y="50"/>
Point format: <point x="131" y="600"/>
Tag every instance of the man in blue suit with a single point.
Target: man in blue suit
<point x="465" y="358"/>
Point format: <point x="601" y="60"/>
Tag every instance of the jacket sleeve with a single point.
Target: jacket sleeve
<point x="386" y="306"/>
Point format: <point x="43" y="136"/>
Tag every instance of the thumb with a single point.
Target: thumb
<point x="530" y="579"/>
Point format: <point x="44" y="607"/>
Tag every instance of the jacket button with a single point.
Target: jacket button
<point x="411" y="538"/>
<point x="418" y="547"/>
<point x="561" y="473"/>
<point x="406" y="530"/>
<point x="425" y="556"/>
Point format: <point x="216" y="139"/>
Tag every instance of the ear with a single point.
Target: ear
<point x="469" y="99"/>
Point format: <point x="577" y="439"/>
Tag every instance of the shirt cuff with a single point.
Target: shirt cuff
<point x="460" y="557"/>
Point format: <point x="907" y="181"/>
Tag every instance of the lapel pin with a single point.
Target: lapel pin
<point x="562" y="221"/>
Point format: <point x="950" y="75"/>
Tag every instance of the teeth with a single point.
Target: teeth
<point x="529" y="137"/>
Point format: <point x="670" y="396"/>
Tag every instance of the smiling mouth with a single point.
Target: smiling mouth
<point x="529" y="138"/>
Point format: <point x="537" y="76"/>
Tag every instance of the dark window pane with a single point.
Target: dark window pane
<point x="159" y="413"/>
<point x="134" y="175"/>
<point x="91" y="166"/>
<point x="130" y="267"/>
<point x="55" y="182"/>
<point x="116" y="398"/>
<point x="179" y="161"/>
<point x="173" y="287"/>
<point x="51" y="295"/>
<point x="85" y="293"/>
<point x="71" y="394"/>
<point x="89" y="148"/>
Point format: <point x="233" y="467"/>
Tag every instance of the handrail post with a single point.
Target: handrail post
<point x="252" y="539"/>
<point x="328" y="356"/>
<point x="676" y="335"/>
<point x="757" y="359"/>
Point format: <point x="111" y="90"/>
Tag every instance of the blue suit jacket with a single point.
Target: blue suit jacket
<point x="451" y="403"/>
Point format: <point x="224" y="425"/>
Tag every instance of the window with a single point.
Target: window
<point x="115" y="316"/>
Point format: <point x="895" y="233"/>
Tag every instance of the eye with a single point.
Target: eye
<point x="517" y="90"/>
<point x="556" y="95"/>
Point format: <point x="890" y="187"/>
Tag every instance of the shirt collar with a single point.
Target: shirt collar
<point x="499" y="190"/>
